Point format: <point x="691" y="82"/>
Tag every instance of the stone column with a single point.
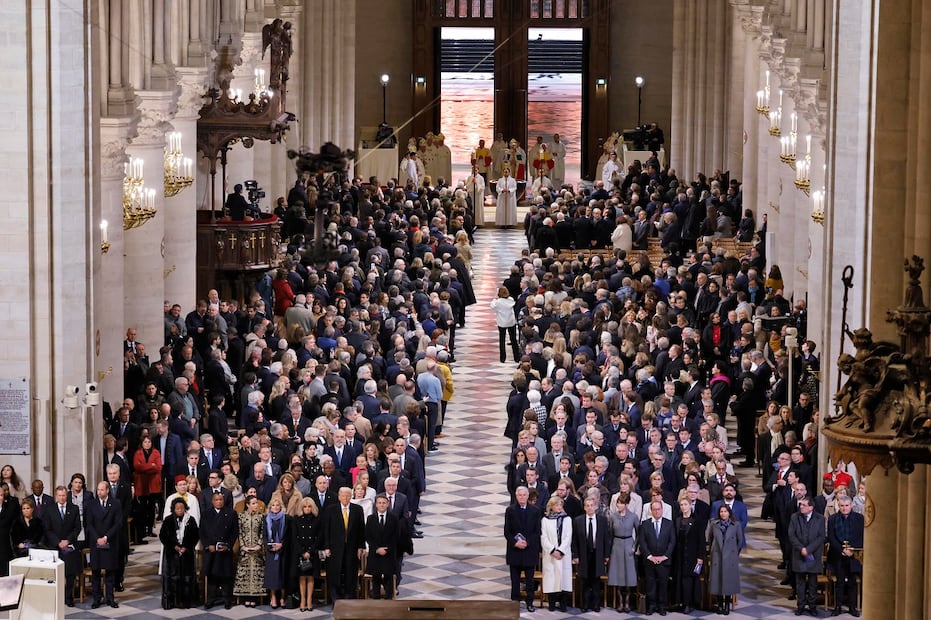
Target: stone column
<point x="115" y="135"/>
<point x="181" y="209"/>
<point x="240" y="160"/>
<point x="282" y="169"/>
<point x="733" y="156"/>
<point x="144" y="247"/>
<point x="750" y="172"/>
<point x="329" y="73"/>
<point x="882" y="537"/>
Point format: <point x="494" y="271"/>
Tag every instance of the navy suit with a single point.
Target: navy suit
<point x="58" y="529"/>
<point x="349" y="457"/>
<point x="592" y="555"/>
<point x="104" y="521"/>
<point x="657" y="575"/>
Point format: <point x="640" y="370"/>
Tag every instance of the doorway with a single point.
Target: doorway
<point x="554" y="94"/>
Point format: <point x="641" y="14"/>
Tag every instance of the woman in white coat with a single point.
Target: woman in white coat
<point x="506" y="209"/>
<point x="503" y="305"/>
<point x="556" y="538"/>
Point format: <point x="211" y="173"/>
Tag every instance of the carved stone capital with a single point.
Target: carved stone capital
<point x="193" y="82"/>
<point x="808" y="105"/>
<point x="751" y="19"/>
<point x="115" y="136"/>
<point x="156" y="109"/>
<point x="250" y="56"/>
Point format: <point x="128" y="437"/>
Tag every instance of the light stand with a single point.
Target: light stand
<point x="639" y="82"/>
<point x="384" y="98"/>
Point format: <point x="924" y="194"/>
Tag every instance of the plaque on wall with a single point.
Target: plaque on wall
<point x="14" y="416"/>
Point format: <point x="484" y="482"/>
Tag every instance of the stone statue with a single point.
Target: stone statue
<point x="277" y="35"/>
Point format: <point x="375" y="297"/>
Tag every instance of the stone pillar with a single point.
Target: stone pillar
<point x="328" y="64"/>
<point x="750" y="172"/>
<point x="144" y="247"/>
<point x="282" y="169"/>
<point x="181" y="209"/>
<point x="115" y="135"/>
<point x="881" y="536"/>
<point x="733" y="156"/>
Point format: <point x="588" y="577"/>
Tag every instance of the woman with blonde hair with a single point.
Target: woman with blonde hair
<point x="464" y="249"/>
<point x="556" y="539"/>
<point x="275" y="526"/>
<point x="503" y="306"/>
<point x="305" y="538"/>
<point x="288" y="495"/>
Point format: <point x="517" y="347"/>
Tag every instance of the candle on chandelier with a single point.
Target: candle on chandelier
<point x="808" y="144"/>
<point x="794" y="122"/>
<point x="104" y="226"/>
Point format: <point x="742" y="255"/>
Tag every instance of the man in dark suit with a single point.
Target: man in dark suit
<point x="657" y="541"/>
<point x="343" y="531"/>
<point x="103" y="522"/>
<point x="700" y="509"/>
<point x="845" y="532"/>
<point x="169" y="447"/>
<point x="264" y="485"/>
<point x="806" y="537"/>
<point x="591" y="552"/>
<point x="729" y="497"/>
<point x="61" y="524"/>
<point x="321" y="494"/>
<point x="214" y="486"/>
<point x="522" y="530"/>
<point x="719" y="480"/>
<point x="219" y="529"/>
<point x="381" y="533"/>
<point x="192" y="466"/>
<point x="122" y="427"/>
<point x="343" y="455"/>
<point x="122" y="492"/>
<point x="42" y="499"/>
<point x="210" y="455"/>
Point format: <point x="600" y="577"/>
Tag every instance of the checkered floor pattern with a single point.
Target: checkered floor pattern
<point x="462" y="554"/>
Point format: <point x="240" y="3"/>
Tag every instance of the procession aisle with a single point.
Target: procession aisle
<point x="462" y="553"/>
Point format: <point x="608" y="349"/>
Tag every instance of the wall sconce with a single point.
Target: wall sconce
<point x="775" y="119"/>
<point x="817" y="210"/>
<point x="803" y="167"/>
<point x="762" y="98"/>
<point x="104" y="237"/>
<point x="601" y="82"/>
<point x="787" y="154"/>
<point x="421" y="80"/>
<point x="179" y="170"/>
<point x="138" y="200"/>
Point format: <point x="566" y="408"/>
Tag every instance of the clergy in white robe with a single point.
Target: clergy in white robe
<point x="558" y="151"/>
<point x="506" y="209"/>
<point x="475" y="188"/>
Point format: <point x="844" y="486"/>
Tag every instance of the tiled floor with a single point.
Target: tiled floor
<point x="462" y="554"/>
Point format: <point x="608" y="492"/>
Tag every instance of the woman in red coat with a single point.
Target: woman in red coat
<point x="284" y="296"/>
<point x="147" y="488"/>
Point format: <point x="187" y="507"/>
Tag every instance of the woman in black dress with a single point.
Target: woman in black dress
<point x="9" y="512"/>
<point x="27" y="530"/>
<point x="179" y="536"/>
<point x="305" y="537"/>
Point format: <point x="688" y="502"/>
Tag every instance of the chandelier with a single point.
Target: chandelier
<point x="803" y="167"/>
<point x="788" y="143"/>
<point x="138" y="200"/>
<point x="179" y="170"/>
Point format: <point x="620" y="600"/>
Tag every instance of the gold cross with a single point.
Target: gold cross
<point x="232" y="240"/>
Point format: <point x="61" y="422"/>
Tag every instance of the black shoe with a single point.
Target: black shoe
<point x="799" y="612"/>
<point x="686" y="610"/>
<point x="813" y="613"/>
<point x="791" y="597"/>
<point x="583" y="610"/>
<point x="853" y="611"/>
<point x="597" y="609"/>
<point x="141" y="542"/>
<point x="119" y="587"/>
<point x="531" y="608"/>
<point x="551" y="605"/>
<point x="417" y="522"/>
<point x="228" y="606"/>
<point x="96" y="604"/>
<point x="417" y="535"/>
<point x="836" y="611"/>
<point x="786" y="581"/>
<point x="208" y="606"/>
<point x="113" y="604"/>
<point x="69" y="603"/>
<point x="662" y="612"/>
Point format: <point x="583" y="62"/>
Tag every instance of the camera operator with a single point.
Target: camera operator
<point x="237" y="206"/>
<point x="654" y="137"/>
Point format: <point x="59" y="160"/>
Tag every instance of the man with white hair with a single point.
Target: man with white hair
<point x="300" y="315"/>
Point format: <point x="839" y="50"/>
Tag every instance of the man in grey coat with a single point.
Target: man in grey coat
<point x="806" y="537"/>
